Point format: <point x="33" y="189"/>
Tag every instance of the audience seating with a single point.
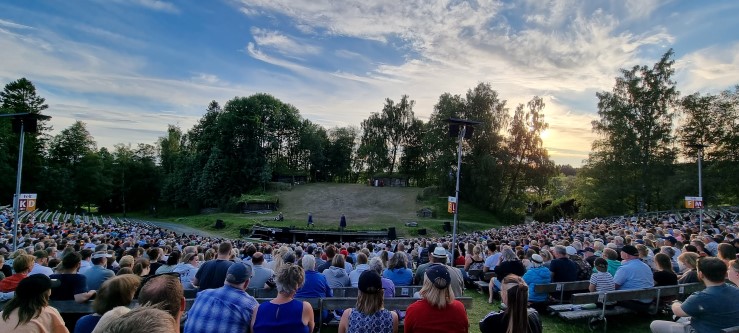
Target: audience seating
<point x="574" y="311"/>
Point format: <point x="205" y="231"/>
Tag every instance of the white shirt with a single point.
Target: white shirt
<point x="40" y="269"/>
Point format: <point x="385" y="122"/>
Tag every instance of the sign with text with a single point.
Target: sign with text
<point x="694" y="202"/>
<point x="27" y="202"/>
<point x="452" y="205"/>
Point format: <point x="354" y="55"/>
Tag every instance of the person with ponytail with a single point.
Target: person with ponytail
<point x="284" y="313"/>
<point x="516" y="316"/>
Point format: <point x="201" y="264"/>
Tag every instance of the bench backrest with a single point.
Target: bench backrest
<point x="562" y="286"/>
<point x="400" y="291"/>
<point x="395" y="303"/>
<point x="625" y="295"/>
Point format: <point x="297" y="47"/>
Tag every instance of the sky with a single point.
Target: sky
<point x="128" y="68"/>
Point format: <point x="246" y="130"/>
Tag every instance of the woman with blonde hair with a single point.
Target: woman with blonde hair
<point x="688" y="261"/>
<point x="475" y="260"/>
<point x="116" y="291"/>
<point x="437" y="310"/>
<point x="515" y="317"/>
<point x="284" y="313"/>
<point x="22" y="265"/>
<point x="369" y="315"/>
<point x="126" y="261"/>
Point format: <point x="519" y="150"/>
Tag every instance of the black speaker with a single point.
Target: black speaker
<point x="243" y="231"/>
<point x="29" y="124"/>
<point x="421" y="232"/>
<point x="220" y="224"/>
<point x="391" y="234"/>
<point x="453" y="131"/>
<point x="447" y="226"/>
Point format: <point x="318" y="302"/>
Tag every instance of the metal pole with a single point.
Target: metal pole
<point x="123" y="188"/>
<point x="456" y="209"/>
<point x="700" y="187"/>
<point x="16" y="202"/>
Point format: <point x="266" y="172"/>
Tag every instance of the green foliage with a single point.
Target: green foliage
<point x="385" y="135"/>
<point x="20" y="97"/>
<point x="634" y="156"/>
<point x="711" y="120"/>
<point x="258" y="198"/>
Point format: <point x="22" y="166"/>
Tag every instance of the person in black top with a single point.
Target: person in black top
<point x="516" y="316"/>
<point x="664" y="275"/>
<point x="212" y="274"/>
<point x="563" y="269"/>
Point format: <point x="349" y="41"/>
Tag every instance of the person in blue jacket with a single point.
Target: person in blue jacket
<point x="537" y="274"/>
<point x="315" y="286"/>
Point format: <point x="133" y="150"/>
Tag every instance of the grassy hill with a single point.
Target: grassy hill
<point x="366" y="208"/>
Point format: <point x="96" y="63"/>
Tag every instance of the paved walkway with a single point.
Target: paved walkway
<point x="180" y="228"/>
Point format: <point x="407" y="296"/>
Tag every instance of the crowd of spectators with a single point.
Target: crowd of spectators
<point x="114" y="262"/>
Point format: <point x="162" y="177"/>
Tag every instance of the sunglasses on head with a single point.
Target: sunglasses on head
<point x="151" y="277"/>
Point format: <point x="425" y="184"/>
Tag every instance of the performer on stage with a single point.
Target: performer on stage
<point x="342" y="223"/>
<point x="310" y="220"/>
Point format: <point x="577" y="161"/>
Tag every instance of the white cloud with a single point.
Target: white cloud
<point x="713" y="68"/>
<point x="282" y="43"/>
<point x="13" y="25"/>
<point x="522" y="49"/>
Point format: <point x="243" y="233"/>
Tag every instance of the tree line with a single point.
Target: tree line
<point x="642" y="159"/>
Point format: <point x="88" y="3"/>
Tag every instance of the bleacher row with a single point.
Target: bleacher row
<point x="49" y="216"/>
<point x="343" y="298"/>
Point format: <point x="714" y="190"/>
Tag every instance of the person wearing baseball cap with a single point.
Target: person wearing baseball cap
<point x="369" y="315"/>
<point x="234" y="305"/>
<point x="29" y="310"/>
<point x="633" y="274"/>
<point x="437" y="310"/>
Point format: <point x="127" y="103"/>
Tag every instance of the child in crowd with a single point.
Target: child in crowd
<point x="601" y="281"/>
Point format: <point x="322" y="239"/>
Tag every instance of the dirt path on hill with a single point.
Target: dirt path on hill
<point x="179" y="228"/>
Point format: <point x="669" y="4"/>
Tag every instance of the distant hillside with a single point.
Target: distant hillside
<point x="362" y="204"/>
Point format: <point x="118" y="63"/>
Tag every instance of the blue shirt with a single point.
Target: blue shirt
<point x="492" y="261"/>
<point x="634" y="274"/>
<point x="315" y="286"/>
<point x="279" y="318"/>
<point x="87" y="323"/>
<point x="225" y="309"/>
<point x="713" y="309"/>
<point x="399" y="276"/>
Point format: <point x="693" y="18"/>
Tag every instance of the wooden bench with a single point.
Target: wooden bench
<point x="561" y="288"/>
<point x="574" y="311"/>
<point x="391" y="304"/>
<point x="484" y="283"/>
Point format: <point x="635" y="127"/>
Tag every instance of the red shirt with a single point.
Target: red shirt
<point x="459" y="261"/>
<point x="421" y="316"/>
<point x="9" y="284"/>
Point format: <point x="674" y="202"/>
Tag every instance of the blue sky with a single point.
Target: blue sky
<point x="127" y="68"/>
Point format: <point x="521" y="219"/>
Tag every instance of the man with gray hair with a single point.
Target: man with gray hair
<point x="562" y="267"/>
<point x="315" y="285"/>
<point x="225" y="309"/>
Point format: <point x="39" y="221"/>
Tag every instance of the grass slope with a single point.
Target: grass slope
<point x="366" y="208"/>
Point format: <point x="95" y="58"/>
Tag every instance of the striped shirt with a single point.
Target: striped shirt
<point x="603" y="282"/>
